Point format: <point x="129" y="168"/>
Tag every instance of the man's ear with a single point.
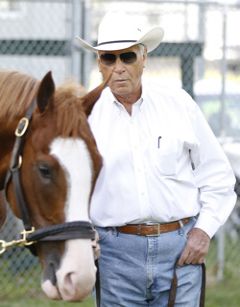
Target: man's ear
<point x="98" y="63"/>
<point x="144" y="56"/>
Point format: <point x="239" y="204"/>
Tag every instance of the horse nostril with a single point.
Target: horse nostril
<point x="68" y="279"/>
<point x="75" y="288"/>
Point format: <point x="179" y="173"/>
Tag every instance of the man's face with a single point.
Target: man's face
<point x="126" y="67"/>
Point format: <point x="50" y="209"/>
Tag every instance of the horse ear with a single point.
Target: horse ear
<point x="45" y="91"/>
<point x="91" y="98"/>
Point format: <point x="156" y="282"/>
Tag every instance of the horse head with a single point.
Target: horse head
<point x="58" y="169"/>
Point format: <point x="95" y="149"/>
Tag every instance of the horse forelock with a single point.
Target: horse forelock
<point x="67" y="107"/>
<point x="17" y="90"/>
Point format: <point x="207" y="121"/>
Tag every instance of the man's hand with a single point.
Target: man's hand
<point x="196" y="248"/>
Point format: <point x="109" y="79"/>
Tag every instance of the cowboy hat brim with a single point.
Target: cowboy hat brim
<point x="151" y="40"/>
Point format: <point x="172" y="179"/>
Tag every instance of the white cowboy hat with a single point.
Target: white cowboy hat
<point x="119" y="30"/>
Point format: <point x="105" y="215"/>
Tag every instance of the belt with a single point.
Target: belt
<point x="149" y="230"/>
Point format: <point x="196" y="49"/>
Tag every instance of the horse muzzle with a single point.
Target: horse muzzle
<point x="75" y="278"/>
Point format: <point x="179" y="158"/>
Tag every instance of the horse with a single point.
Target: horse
<point x="48" y="169"/>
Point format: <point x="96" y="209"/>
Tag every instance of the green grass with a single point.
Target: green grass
<point x="28" y="302"/>
<point x="224" y="294"/>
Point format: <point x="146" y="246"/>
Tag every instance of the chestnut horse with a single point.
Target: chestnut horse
<point x="58" y="162"/>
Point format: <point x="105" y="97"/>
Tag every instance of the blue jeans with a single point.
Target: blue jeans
<point x="137" y="271"/>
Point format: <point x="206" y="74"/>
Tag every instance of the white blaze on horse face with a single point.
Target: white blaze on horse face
<point x="74" y="157"/>
<point x="76" y="274"/>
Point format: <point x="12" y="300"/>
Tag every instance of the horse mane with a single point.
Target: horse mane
<point x="17" y="90"/>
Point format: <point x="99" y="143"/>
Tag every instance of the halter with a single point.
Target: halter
<point x="30" y="236"/>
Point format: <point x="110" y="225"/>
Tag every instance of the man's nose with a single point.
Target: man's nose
<point x="119" y="65"/>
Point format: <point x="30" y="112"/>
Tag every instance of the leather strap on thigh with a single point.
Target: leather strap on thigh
<point x="173" y="289"/>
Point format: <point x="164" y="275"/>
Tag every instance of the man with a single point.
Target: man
<point x="165" y="187"/>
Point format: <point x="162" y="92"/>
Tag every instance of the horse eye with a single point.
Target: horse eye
<point x="45" y="171"/>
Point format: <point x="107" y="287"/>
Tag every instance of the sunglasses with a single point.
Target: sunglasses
<point x="110" y="58"/>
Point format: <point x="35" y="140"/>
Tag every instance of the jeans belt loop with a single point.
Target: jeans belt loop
<point x="181" y="223"/>
<point x="139" y="230"/>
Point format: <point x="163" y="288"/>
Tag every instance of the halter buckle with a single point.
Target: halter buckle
<point x="24" y="234"/>
<point x="22" y="126"/>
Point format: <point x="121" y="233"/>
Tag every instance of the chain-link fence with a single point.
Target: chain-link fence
<point x="200" y="52"/>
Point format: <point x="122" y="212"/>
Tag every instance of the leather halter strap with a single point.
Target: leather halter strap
<point x="15" y="164"/>
<point x="62" y="232"/>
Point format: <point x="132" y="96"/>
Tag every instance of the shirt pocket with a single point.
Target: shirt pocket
<point x="166" y="155"/>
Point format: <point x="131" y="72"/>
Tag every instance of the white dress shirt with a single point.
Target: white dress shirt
<point x="161" y="163"/>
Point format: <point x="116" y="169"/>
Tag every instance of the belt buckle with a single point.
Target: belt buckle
<point x="158" y="231"/>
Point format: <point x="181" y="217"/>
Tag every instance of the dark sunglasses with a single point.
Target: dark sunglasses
<point x="110" y="58"/>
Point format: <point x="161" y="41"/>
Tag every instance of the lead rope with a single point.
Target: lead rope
<point x="173" y="289"/>
<point x="97" y="285"/>
<point x="203" y="287"/>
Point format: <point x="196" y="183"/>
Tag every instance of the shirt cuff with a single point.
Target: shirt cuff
<point x="208" y="224"/>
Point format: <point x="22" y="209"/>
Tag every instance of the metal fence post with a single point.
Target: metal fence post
<point x="81" y="61"/>
<point x="220" y="253"/>
<point x="76" y="29"/>
<point x="223" y="73"/>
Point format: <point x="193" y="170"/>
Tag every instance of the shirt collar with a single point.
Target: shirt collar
<point x="137" y="105"/>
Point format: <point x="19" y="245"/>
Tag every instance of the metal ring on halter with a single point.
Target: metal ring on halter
<point x="22" y="126"/>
